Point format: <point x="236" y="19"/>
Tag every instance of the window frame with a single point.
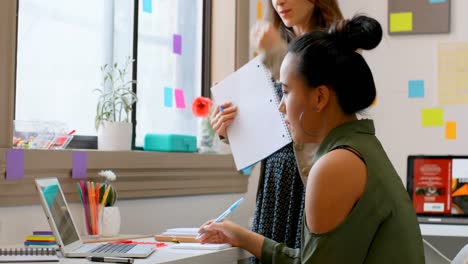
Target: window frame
<point x="170" y="174"/>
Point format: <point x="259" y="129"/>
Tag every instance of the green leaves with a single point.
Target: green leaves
<point x="116" y="97"/>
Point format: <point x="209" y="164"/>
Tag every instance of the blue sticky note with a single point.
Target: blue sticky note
<point x="416" y="89"/>
<point x="148" y="6"/>
<point x="14" y="164"/>
<point x="168" y="98"/>
<point x="80" y="165"/>
<point x="437" y="1"/>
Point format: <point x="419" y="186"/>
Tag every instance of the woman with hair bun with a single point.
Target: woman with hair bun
<point x="356" y="207"/>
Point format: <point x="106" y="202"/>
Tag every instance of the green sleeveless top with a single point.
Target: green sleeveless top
<point x="381" y="228"/>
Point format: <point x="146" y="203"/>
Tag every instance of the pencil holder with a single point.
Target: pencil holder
<point x="93" y="225"/>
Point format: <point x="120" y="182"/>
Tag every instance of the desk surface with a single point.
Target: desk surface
<point x="178" y="256"/>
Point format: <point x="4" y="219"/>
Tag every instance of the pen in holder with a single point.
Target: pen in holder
<point x="92" y="209"/>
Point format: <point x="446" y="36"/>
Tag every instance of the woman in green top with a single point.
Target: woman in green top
<point x="356" y="207"/>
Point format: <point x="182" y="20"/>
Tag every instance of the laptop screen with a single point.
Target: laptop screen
<point x="438" y="185"/>
<point x="55" y="201"/>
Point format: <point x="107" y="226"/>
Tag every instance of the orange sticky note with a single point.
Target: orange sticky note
<point x="451" y="130"/>
<point x="259" y="10"/>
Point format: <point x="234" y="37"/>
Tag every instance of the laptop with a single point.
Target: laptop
<point x="438" y="187"/>
<point x="66" y="234"/>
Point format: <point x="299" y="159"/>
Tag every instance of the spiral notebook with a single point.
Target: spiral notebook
<point x="14" y="255"/>
<point x="259" y="129"/>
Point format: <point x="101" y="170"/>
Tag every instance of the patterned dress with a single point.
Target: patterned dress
<point x="280" y="198"/>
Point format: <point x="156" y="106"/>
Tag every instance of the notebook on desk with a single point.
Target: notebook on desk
<point x="259" y="128"/>
<point x="61" y="222"/>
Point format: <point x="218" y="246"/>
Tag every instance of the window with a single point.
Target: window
<point x="60" y="50"/>
<point x="169" y="66"/>
<point x="62" y="46"/>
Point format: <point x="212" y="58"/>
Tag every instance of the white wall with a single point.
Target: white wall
<point x="397" y="60"/>
<point x="142" y="216"/>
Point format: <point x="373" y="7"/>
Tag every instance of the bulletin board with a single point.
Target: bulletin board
<point x="418" y="16"/>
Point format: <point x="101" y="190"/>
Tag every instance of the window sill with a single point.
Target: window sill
<point x="140" y="174"/>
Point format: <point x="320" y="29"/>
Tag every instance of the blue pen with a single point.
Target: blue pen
<point x="223" y="215"/>
<point x="220" y="108"/>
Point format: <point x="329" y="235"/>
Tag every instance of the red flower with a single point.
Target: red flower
<point x="201" y="106"/>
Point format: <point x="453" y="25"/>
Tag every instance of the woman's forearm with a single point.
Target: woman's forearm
<point x="252" y="242"/>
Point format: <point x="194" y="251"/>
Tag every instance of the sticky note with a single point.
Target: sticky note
<point x="437" y="1"/>
<point x="259" y="10"/>
<point x="432" y="117"/>
<point x="177" y="44"/>
<point x="401" y="22"/>
<point x="451" y="130"/>
<point x="416" y="89"/>
<point x="80" y="165"/>
<point x="148" y="6"/>
<point x="179" y="98"/>
<point x="375" y="101"/>
<point x="14" y="164"/>
<point x="168" y="97"/>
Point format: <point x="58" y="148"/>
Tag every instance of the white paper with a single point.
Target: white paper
<point x="258" y="129"/>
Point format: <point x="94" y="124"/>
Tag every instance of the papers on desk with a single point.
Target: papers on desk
<point x="179" y="235"/>
<point x="198" y="246"/>
<point x="185" y="231"/>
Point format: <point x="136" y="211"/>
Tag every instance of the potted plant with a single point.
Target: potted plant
<point x="115" y="103"/>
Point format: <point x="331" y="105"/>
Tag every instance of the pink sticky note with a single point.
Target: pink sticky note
<point x="179" y="98"/>
<point x="177" y="44"/>
<point x="14" y="164"/>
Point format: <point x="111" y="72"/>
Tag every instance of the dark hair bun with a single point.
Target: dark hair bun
<point x="361" y="32"/>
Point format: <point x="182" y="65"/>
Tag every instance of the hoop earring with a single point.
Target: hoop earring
<point x="302" y="127"/>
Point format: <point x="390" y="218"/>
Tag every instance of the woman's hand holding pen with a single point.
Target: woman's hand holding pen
<point x="232" y="233"/>
<point x="264" y="35"/>
<point x="222" y="232"/>
<point x="222" y="117"/>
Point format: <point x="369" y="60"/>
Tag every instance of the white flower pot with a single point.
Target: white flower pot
<point x="115" y="136"/>
<point x="110" y="221"/>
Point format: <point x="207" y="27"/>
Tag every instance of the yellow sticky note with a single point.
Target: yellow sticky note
<point x="375" y="102"/>
<point x="259" y="10"/>
<point x="451" y="130"/>
<point x="401" y="22"/>
<point x="432" y="117"/>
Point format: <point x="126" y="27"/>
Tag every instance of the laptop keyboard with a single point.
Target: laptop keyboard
<point x="113" y="248"/>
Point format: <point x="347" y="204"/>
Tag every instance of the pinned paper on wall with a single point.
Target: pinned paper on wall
<point x="401" y="22"/>
<point x="179" y="98"/>
<point x="432" y="117"/>
<point x="451" y="130"/>
<point x="148" y="6"/>
<point x="168" y="97"/>
<point x="418" y="16"/>
<point x="177" y="44"/>
<point x="259" y="10"/>
<point x="80" y="165"/>
<point x="14" y="164"/>
<point x="437" y="1"/>
<point x="453" y="73"/>
<point x="416" y="89"/>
